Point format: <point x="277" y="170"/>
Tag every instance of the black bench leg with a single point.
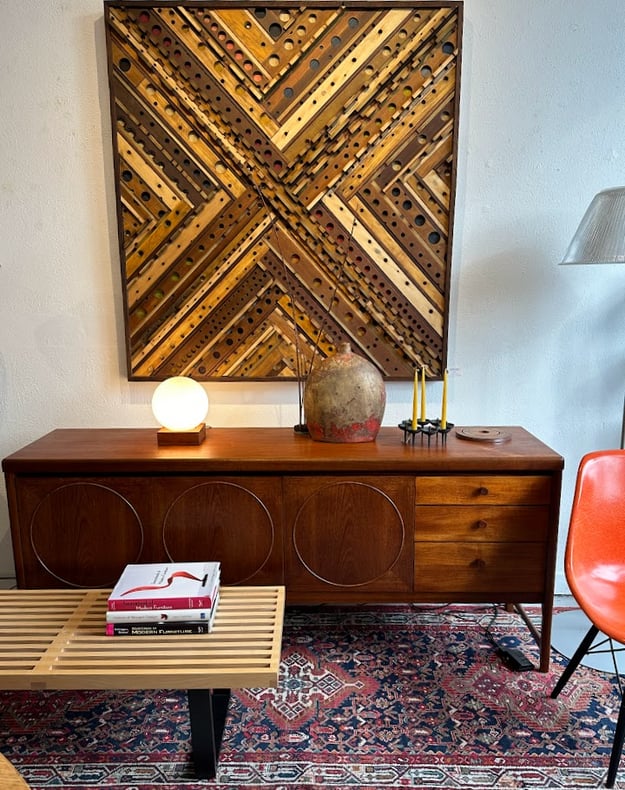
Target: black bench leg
<point x="208" y="709"/>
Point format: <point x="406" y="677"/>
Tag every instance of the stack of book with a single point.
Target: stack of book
<point x="157" y="599"/>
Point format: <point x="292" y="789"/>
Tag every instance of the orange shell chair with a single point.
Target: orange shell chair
<point x="595" y="564"/>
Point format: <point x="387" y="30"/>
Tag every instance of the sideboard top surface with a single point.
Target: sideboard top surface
<point x="274" y="450"/>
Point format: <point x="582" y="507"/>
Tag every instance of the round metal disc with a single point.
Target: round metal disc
<point x="481" y="434"/>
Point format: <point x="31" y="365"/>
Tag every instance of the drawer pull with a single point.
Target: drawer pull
<point x="481" y="524"/>
<point x="482" y="491"/>
<point x="477" y="563"/>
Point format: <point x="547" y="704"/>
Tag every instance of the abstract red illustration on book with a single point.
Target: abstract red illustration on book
<point x="170" y="579"/>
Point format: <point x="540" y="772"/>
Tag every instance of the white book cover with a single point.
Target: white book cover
<point x="169" y="585"/>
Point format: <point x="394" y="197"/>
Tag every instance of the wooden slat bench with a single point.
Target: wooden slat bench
<point x="54" y="640"/>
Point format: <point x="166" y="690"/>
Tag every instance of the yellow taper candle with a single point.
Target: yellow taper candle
<point x="414" y="400"/>
<point x="423" y="394"/>
<point x="444" y="404"/>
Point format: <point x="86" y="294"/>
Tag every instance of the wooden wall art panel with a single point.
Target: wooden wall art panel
<point x="285" y="180"/>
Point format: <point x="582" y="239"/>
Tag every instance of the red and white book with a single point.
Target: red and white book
<point x="166" y="585"/>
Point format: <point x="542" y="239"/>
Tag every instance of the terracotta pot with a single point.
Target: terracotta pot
<point x="344" y="399"/>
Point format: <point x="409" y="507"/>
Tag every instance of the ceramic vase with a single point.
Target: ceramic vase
<point x="344" y="398"/>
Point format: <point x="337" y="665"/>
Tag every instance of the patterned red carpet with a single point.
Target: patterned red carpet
<point x="370" y="697"/>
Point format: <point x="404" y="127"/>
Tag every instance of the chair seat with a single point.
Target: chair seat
<point x="601" y="595"/>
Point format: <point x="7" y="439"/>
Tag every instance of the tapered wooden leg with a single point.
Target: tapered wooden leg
<point x="208" y="709"/>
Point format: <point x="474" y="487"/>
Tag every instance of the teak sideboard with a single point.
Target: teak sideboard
<point x="455" y="521"/>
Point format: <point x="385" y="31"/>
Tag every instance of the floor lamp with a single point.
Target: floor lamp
<point x="600" y="238"/>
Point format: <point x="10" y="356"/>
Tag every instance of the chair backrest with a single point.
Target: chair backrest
<point x="595" y="550"/>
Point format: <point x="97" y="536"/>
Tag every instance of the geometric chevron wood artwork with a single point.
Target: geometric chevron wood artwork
<point x="285" y="180"/>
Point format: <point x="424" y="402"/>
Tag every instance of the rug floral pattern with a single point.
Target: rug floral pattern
<point x="369" y="697"/>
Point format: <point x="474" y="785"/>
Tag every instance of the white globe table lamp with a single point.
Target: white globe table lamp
<point x="180" y="406"/>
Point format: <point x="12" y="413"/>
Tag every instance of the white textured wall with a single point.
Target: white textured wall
<point x="531" y="343"/>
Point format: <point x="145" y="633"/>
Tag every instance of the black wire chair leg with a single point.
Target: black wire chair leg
<point x="617" y="745"/>
<point x="574" y="662"/>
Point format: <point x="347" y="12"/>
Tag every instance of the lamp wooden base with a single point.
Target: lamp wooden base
<point x="167" y="438"/>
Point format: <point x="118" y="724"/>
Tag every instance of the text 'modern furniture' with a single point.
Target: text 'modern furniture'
<point x="461" y="521"/>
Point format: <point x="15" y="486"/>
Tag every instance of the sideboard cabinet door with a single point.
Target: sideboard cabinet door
<point x="76" y="532"/>
<point x="347" y="536"/>
<point x="235" y="521"/>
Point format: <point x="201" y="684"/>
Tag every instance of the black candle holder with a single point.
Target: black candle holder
<point x="424" y="428"/>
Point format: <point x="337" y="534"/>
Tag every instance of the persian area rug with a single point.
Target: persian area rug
<point x="369" y="697"/>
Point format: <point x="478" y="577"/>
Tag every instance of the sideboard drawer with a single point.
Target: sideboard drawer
<point x="479" y="568"/>
<point x="497" y="523"/>
<point x="483" y="489"/>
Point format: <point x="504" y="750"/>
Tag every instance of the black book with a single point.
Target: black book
<point x="158" y="628"/>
